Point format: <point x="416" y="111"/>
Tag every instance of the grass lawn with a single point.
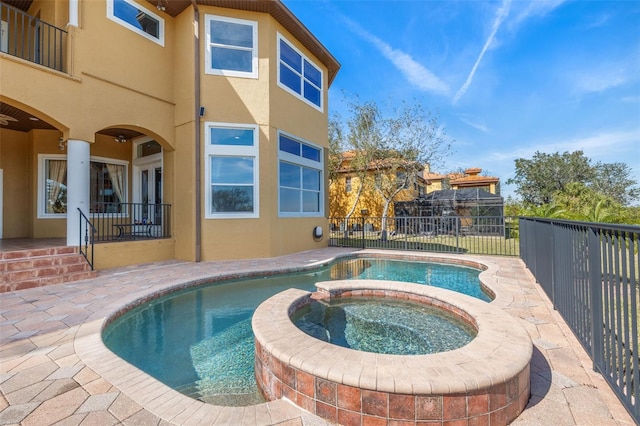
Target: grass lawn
<point x="472" y="244"/>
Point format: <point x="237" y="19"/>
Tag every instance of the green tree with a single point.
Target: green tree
<point x="550" y="211"/>
<point x="578" y="198"/>
<point x="546" y="176"/>
<point x="614" y="180"/>
<point x="539" y="178"/>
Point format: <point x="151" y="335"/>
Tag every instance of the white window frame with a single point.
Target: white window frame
<point x="114" y="18"/>
<point x="42" y="183"/>
<point x="140" y="162"/>
<point x="286" y="88"/>
<point x="254" y="55"/>
<point x="302" y="162"/>
<point x="232" y="151"/>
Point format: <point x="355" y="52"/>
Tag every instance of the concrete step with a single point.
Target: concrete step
<point x="39" y="267"/>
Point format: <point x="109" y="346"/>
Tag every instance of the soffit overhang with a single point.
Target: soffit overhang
<point x="278" y="11"/>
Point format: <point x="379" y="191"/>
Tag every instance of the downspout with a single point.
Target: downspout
<point x="196" y="42"/>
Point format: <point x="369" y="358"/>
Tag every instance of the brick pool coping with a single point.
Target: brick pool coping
<point x="485" y="382"/>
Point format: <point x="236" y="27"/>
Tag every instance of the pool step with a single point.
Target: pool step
<point x="22" y="269"/>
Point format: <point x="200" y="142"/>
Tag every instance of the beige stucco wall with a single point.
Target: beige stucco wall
<point x="133" y="89"/>
<point x="112" y="255"/>
<point x="122" y="80"/>
<point x="260" y="101"/>
<point x="14" y="161"/>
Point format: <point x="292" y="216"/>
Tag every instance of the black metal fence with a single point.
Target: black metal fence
<point x="32" y="39"/>
<point x="130" y="221"/>
<point x="493" y="235"/>
<point x="590" y="271"/>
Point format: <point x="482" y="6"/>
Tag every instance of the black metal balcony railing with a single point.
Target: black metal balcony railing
<point x="591" y="273"/>
<point x="87" y="237"/>
<point x="130" y="221"/>
<point x="494" y="235"/>
<point x="32" y="39"/>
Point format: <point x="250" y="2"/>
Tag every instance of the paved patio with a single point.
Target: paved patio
<point x="55" y="370"/>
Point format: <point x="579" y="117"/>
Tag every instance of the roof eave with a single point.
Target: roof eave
<point x="279" y="12"/>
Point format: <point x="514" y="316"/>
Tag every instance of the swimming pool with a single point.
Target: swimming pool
<point x="200" y="341"/>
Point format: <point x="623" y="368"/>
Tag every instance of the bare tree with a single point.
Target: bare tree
<point x="391" y="147"/>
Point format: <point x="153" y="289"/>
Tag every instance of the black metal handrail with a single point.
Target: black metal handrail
<point x="591" y="273"/>
<point x="86" y="239"/>
<point x="32" y="39"/>
<point x="131" y="221"/>
<point x="494" y="235"/>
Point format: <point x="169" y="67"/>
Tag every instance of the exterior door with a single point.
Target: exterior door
<point x="147" y="182"/>
<point x="150" y="192"/>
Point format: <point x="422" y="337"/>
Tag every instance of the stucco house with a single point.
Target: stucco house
<point x="352" y="190"/>
<point x="193" y="130"/>
<point x="469" y="178"/>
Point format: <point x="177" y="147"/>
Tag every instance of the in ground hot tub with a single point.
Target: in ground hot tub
<point x="485" y="380"/>
<point x="383" y="325"/>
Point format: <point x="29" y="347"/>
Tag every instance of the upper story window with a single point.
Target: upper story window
<point x="300" y="169"/>
<point x="232" y="47"/>
<point x="138" y="19"/>
<point x="298" y="75"/>
<point x="232" y="171"/>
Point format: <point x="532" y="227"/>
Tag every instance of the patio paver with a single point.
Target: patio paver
<point x="45" y="377"/>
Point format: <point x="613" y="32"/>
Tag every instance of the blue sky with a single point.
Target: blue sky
<point x="508" y="78"/>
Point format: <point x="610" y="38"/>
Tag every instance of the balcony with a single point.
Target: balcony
<point x="130" y="221"/>
<point x="31" y="39"/>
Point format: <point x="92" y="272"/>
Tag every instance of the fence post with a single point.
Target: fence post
<point x="406" y="234"/>
<point x="364" y="244"/>
<point x="595" y="280"/>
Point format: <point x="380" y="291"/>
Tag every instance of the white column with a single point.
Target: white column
<point x="78" y="158"/>
<point x="73" y="12"/>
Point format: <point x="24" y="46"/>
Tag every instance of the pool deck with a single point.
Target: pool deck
<point x="55" y="370"/>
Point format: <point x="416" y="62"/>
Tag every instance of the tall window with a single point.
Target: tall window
<point x="108" y="184"/>
<point x="232" y="47"/>
<point x="347" y="184"/>
<point x="138" y="19"/>
<point x="232" y="170"/>
<point x="300" y="178"/>
<point x="298" y="75"/>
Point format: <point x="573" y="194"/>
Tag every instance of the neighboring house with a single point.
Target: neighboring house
<point x="214" y="139"/>
<point x="347" y="195"/>
<point x="472" y="179"/>
<point x="435" y="181"/>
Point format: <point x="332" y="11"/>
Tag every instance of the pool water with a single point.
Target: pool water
<point x="383" y="325"/>
<point x="200" y="341"/>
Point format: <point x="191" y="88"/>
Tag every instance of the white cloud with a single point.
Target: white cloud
<point x="535" y="8"/>
<point x="473" y="123"/>
<point x="600" y="79"/>
<point x="501" y="14"/>
<point x="598" y="147"/>
<point x="418" y="75"/>
<point x="606" y="146"/>
<point x="631" y="99"/>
